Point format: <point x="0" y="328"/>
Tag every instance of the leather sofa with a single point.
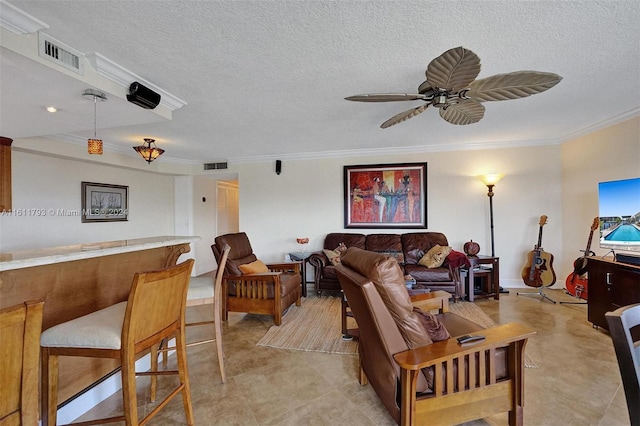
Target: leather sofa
<point x="422" y="375"/>
<point x="407" y="248"/>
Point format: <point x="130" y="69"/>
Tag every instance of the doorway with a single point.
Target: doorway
<point x="227" y="207"/>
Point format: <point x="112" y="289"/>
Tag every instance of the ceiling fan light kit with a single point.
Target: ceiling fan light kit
<point x="451" y="86"/>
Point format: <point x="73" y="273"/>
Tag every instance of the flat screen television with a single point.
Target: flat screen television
<point x="619" y="210"/>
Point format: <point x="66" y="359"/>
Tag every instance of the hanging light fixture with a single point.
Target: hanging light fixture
<point x="148" y="152"/>
<point x="94" y="145"/>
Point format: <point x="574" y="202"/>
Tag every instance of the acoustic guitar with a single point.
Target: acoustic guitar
<point x="538" y="272"/>
<point x="576" y="283"/>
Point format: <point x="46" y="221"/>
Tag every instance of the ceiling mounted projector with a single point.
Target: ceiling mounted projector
<point x="143" y="96"/>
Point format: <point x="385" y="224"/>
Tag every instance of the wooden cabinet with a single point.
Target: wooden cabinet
<point x="611" y="285"/>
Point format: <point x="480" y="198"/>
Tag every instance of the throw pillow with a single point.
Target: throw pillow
<point x="255" y="267"/>
<point x="341" y="248"/>
<point x="435" y="257"/>
<point x="332" y="255"/>
<point x="432" y="326"/>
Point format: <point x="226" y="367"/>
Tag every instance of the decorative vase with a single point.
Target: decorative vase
<point x="471" y="248"/>
<point x="303" y="243"/>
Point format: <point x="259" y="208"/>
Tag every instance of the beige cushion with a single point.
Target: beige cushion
<point x="98" y="330"/>
<point x="200" y="288"/>
<point x="255" y="267"/>
<point x="388" y="279"/>
<point x="341" y="248"/>
<point x="435" y="257"/>
<point x="332" y="255"/>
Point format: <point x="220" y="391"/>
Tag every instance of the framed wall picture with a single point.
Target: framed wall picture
<point x="102" y="202"/>
<point x="385" y="196"/>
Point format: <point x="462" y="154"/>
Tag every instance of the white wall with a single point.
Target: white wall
<point x="42" y="182"/>
<point x="204" y="214"/>
<point x="307" y="200"/>
<point x="609" y="154"/>
<point x="204" y="210"/>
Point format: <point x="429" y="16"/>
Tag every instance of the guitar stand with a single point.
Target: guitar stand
<point x="538" y="293"/>
<point x="581" y="301"/>
<point x="573" y="303"/>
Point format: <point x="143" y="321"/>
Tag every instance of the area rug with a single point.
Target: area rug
<point x="315" y="326"/>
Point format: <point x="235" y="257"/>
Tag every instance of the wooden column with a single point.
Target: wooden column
<point x="5" y="173"/>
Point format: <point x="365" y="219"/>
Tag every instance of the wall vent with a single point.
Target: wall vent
<point x="59" y="53"/>
<point x="216" y="166"/>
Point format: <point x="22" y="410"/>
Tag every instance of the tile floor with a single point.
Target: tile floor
<point x="577" y="381"/>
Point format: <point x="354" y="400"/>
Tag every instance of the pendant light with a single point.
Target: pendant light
<point x="94" y="145"/>
<point x="148" y="152"/>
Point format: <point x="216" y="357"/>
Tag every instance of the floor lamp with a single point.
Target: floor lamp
<point x="490" y="180"/>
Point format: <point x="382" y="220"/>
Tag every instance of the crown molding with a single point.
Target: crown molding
<point x="17" y="21"/>
<point x="395" y="150"/>
<point x="611" y="121"/>
<point x="110" y="70"/>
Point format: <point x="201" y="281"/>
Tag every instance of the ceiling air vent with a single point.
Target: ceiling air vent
<point x="59" y="53"/>
<point x="215" y="166"/>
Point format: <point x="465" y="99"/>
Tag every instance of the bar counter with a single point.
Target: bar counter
<point x="79" y="279"/>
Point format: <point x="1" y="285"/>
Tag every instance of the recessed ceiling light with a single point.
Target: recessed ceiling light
<point x="52" y="109"/>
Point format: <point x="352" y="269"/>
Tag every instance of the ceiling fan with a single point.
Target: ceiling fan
<point x="451" y="86"/>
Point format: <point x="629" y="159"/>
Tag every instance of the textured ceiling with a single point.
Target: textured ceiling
<point x="267" y="79"/>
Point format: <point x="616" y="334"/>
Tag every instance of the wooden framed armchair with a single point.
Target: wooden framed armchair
<point x="434" y="383"/>
<point x="267" y="293"/>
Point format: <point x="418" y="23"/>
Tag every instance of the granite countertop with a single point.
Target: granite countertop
<point x="46" y="256"/>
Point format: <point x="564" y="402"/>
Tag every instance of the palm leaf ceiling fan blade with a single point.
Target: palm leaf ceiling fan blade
<point x="465" y="112"/>
<point x="454" y="69"/>
<point x="514" y="85"/>
<point x="398" y="118"/>
<point x="386" y="97"/>
<point x="451" y="87"/>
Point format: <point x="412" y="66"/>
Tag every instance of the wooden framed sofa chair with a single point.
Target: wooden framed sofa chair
<point x="421" y="374"/>
<point x="251" y="286"/>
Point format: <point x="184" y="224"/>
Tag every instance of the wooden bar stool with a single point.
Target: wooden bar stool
<point x="154" y="311"/>
<point x="20" y="328"/>
<point x="203" y="291"/>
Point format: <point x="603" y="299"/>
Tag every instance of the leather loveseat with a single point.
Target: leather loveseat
<point x="407" y="248"/>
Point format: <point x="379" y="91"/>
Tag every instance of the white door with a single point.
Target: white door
<point x="227" y="206"/>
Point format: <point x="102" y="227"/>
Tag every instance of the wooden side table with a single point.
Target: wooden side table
<point x="489" y="273"/>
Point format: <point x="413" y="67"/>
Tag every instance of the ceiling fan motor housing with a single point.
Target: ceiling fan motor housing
<point x="440" y="99"/>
